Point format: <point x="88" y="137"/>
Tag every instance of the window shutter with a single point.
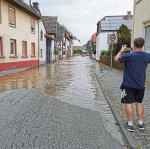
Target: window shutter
<point x="24" y="48"/>
<point x="33" y="49"/>
<point x="1" y="48"/>
<point x="12" y="16"/>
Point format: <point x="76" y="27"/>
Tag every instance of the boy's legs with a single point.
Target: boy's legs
<point x="139" y="106"/>
<point x="128" y="109"/>
<point x="129" y="113"/>
<point x="139" y="110"/>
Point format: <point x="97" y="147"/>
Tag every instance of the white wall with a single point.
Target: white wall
<point x="42" y="43"/>
<point x="101" y="43"/>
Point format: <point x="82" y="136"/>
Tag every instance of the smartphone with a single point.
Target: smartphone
<point x="129" y="49"/>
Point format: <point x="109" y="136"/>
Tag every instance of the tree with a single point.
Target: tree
<point x="124" y="36"/>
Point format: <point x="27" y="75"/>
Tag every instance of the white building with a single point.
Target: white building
<point x="109" y="25"/>
<point x="46" y="41"/>
<point x="42" y="43"/>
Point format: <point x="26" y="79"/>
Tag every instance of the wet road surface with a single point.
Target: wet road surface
<point x="57" y="106"/>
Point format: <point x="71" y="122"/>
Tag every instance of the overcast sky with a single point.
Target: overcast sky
<point x="81" y="16"/>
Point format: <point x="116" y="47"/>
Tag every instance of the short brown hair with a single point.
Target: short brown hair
<point x="139" y="42"/>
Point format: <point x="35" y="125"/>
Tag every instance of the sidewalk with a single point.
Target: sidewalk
<point x="110" y="81"/>
<point x="4" y="73"/>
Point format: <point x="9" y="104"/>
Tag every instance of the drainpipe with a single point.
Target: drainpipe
<point x="55" y="42"/>
<point x="38" y="41"/>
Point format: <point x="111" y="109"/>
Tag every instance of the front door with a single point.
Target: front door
<point x="147" y="48"/>
<point x="48" y="51"/>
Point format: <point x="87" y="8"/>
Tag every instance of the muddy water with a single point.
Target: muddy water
<point x="52" y="79"/>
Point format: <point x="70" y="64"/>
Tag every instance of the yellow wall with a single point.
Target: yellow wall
<point x="141" y="17"/>
<point x="22" y="32"/>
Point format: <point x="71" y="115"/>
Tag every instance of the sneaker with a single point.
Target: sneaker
<point x="141" y="127"/>
<point x="129" y="128"/>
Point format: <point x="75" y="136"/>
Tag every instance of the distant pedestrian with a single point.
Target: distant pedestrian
<point x="133" y="85"/>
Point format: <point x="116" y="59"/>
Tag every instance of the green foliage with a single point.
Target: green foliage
<point x="57" y="51"/>
<point x="76" y="52"/>
<point x="106" y="52"/>
<point x="115" y="49"/>
<point x="124" y="36"/>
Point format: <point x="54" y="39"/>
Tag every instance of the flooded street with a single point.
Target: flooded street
<point x="70" y="84"/>
<point x="75" y="74"/>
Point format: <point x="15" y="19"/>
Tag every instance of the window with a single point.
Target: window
<point x="32" y="49"/>
<point x="41" y="35"/>
<point x="1" y="47"/>
<point x="32" y="21"/>
<point x="41" y="53"/>
<point x="147" y="37"/>
<point x="12" y="16"/>
<point x="0" y="11"/>
<point x="13" y="49"/>
<point x="24" y="49"/>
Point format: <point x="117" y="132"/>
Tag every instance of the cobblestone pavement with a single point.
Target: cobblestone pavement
<point x="110" y="81"/>
<point x="58" y="106"/>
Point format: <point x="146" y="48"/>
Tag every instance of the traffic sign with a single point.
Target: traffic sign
<point x="112" y="38"/>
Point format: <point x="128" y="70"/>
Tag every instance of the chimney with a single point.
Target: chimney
<point x="36" y="6"/>
<point x="129" y="15"/>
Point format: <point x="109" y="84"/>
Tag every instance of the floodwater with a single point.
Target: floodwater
<point x="53" y="79"/>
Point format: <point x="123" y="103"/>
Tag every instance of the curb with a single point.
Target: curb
<point x="127" y="142"/>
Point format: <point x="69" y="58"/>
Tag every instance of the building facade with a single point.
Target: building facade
<point x="18" y="35"/>
<point x="109" y="25"/>
<point x="141" y="27"/>
<point x="68" y="43"/>
<point x="46" y="41"/>
<point x="42" y="43"/>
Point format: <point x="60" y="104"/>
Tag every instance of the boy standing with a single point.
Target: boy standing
<point x="133" y="85"/>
